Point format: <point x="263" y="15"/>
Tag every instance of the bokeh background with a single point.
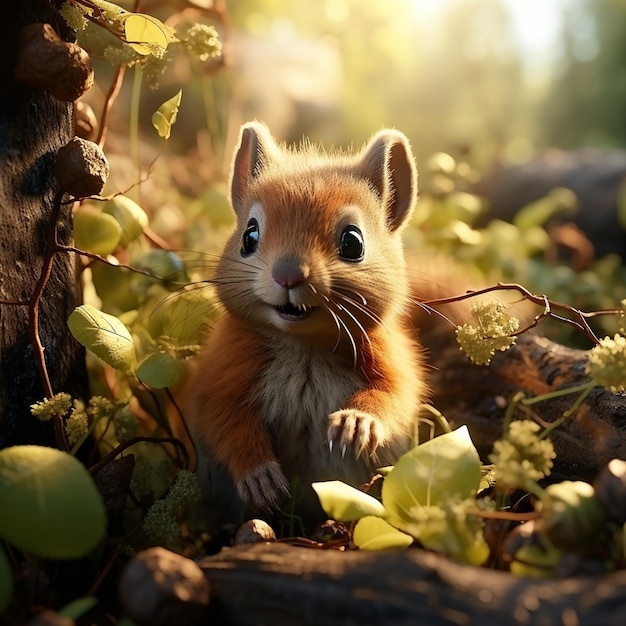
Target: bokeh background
<point x="516" y="111"/>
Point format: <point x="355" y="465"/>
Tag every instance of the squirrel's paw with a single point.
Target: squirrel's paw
<point x="355" y="429"/>
<point x="264" y="488"/>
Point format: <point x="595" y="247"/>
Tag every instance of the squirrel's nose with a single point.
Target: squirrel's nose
<point x="289" y="272"/>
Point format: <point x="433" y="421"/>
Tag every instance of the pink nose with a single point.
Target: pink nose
<point x="289" y="272"/>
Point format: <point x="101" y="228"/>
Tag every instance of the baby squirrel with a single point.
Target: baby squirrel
<point x="310" y="372"/>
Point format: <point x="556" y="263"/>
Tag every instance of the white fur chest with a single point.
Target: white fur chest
<point x="298" y="390"/>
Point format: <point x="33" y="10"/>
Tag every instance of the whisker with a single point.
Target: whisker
<point x="373" y="316"/>
<point x="352" y="341"/>
<point x="337" y="323"/>
<point x="430" y="310"/>
<point x="356" y="321"/>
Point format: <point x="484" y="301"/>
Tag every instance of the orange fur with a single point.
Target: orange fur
<point x="310" y="372"/>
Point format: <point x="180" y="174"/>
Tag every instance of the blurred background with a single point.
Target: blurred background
<point x="516" y="111"/>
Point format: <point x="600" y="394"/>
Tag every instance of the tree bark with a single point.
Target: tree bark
<point x="281" y="585"/>
<point x="33" y="126"/>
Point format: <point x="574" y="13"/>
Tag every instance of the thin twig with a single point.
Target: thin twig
<point x="101" y="259"/>
<point x="105" y="460"/>
<point x="579" y="322"/>
<point x="112" y="94"/>
<point x="33" y="304"/>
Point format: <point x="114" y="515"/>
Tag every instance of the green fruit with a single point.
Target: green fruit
<point x="95" y="231"/>
<point x="50" y="504"/>
<point x="574" y="517"/>
<point x="130" y="216"/>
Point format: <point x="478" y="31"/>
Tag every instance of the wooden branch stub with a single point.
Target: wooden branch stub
<point x="281" y="585"/>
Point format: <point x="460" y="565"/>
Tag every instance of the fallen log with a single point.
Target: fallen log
<point x="281" y="585"/>
<point x="478" y="396"/>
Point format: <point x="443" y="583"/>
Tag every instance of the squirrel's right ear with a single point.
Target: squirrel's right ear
<point x="255" y="147"/>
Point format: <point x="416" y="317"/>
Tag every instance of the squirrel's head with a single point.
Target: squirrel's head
<point x="317" y="247"/>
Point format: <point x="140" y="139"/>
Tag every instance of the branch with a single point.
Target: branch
<point x="580" y="317"/>
<point x="33" y="304"/>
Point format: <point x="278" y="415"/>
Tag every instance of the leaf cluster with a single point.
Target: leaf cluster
<point x="436" y="496"/>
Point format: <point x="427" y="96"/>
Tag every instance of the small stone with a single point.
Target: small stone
<point x="45" y="61"/>
<point x="160" y="588"/>
<point x="81" y="168"/>
<point x="254" y="531"/>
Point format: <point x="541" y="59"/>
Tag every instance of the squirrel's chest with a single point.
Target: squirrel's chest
<point x="299" y="388"/>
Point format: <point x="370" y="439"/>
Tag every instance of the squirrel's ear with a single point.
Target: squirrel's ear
<point x="255" y="147"/>
<point x="388" y="165"/>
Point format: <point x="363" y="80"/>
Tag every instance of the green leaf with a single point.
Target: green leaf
<point x="159" y="370"/>
<point x="104" y="335"/>
<point x="6" y="580"/>
<point x="444" y="467"/>
<point x="165" y="116"/>
<point x="345" y="503"/>
<point x="145" y="34"/>
<point x="450" y="529"/>
<point x="95" y="231"/>
<point x="374" y="533"/>
<point x="50" y="505"/>
<point x="129" y="215"/>
<point x="182" y="317"/>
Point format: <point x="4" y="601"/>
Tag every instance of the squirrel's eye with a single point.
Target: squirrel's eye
<point x="351" y="245"/>
<point x="250" y="239"/>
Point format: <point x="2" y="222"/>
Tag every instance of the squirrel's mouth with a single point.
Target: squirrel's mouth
<point x="294" y="313"/>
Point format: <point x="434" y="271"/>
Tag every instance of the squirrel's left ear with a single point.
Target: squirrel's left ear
<point x="256" y="146"/>
<point x="387" y="163"/>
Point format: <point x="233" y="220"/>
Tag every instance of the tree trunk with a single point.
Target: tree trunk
<point x="33" y="126"/>
<point x="281" y="585"/>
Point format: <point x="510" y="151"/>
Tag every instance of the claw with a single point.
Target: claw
<point x="330" y="445"/>
<point x="343" y="450"/>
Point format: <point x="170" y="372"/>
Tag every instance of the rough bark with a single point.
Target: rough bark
<point x="33" y="126"/>
<point x="281" y="585"/>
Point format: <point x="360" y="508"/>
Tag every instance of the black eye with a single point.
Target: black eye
<point x="351" y="245"/>
<point x="250" y="239"/>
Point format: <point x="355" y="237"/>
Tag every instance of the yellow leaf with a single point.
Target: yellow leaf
<point x="145" y="34"/>
<point x="164" y="118"/>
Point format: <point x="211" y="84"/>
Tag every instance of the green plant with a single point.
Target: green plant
<point x="429" y="495"/>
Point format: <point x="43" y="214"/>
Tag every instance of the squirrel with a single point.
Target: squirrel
<point x="312" y="371"/>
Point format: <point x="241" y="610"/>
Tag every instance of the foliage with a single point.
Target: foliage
<point x="607" y="363"/>
<point x="148" y="300"/>
<point x="126" y="38"/>
<point x="51" y="506"/>
<point x="434" y="495"/>
<point x="428" y="495"/>
<point x="495" y="331"/>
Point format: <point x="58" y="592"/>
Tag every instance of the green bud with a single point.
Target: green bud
<point x="574" y="517"/>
